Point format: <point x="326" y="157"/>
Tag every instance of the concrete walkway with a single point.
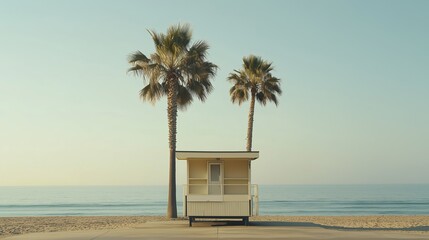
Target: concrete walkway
<point x="180" y="230"/>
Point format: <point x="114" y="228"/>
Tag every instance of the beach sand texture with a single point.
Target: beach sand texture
<point x="414" y="227"/>
<point x="21" y="225"/>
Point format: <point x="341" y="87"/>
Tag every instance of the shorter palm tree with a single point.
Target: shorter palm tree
<point x="254" y="80"/>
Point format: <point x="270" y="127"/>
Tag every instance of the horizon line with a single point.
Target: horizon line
<point x="166" y="185"/>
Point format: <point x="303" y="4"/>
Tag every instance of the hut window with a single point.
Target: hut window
<point x="215" y="176"/>
<point x="215" y="172"/>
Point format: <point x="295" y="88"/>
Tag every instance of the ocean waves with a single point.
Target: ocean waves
<point x="293" y="200"/>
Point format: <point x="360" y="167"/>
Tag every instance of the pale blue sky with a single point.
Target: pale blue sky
<point x="354" y="109"/>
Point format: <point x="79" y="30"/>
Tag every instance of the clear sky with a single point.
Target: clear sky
<point x="355" y="76"/>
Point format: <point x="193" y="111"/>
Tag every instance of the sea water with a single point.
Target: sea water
<point x="293" y="200"/>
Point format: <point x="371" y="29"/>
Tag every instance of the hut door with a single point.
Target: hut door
<point x="215" y="179"/>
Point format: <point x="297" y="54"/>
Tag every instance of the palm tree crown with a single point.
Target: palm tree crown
<point x="175" y="59"/>
<point x="255" y="77"/>
<point x="256" y="82"/>
<point x="179" y="70"/>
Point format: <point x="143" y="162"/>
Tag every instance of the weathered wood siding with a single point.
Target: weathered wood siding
<point x="218" y="209"/>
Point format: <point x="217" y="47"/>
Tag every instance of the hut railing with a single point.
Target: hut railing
<point x="224" y="189"/>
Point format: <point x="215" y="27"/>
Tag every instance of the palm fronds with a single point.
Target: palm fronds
<point x="254" y="77"/>
<point x="175" y="59"/>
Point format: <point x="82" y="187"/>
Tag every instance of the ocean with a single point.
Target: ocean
<point x="293" y="200"/>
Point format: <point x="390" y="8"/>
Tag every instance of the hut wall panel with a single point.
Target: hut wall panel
<point x="218" y="209"/>
<point x="236" y="169"/>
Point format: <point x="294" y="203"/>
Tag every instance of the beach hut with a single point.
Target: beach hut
<point x="219" y="185"/>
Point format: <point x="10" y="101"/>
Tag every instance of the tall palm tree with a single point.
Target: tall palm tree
<point x="177" y="69"/>
<point x="254" y="80"/>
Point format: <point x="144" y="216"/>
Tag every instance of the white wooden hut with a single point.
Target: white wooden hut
<point x="219" y="185"/>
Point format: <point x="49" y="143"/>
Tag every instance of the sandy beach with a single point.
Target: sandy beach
<point x="16" y="226"/>
<point x="21" y="225"/>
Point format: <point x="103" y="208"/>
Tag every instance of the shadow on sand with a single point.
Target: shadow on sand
<point x="308" y="224"/>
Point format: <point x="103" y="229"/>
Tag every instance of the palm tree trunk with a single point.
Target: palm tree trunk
<point x="250" y="123"/>
<point x="172" y="128"/>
